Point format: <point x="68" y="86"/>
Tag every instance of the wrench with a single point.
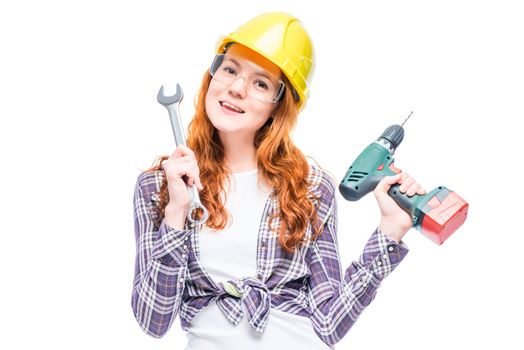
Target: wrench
<point x="172" y="105"/>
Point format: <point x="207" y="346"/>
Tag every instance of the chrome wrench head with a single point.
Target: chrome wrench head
<point x="170" y="100"/>
<point x="172" y="104"/>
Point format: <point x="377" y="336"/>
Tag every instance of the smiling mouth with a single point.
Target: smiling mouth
<point x="231" y="107"/>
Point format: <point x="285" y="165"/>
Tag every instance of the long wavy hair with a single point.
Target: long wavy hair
<point x="279" y="161"/>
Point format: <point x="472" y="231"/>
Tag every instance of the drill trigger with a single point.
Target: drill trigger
<point x="394" y="168"/>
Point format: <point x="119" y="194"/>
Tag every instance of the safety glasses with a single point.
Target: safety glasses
<point x="259" y="84"/>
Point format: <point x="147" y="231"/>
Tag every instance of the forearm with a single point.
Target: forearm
<point x="160" y="268"/>
<point x="175" y="216"/>
<point x="337" y="305"/>
<point x="160" y="280"/>
<point x="337" y="297"/>
<point x="156" y="297"/>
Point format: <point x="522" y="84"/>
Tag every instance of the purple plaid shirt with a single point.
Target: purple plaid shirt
<point x="310" y="282"/>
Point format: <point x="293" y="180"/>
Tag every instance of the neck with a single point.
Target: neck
<point x="239" y="152"/>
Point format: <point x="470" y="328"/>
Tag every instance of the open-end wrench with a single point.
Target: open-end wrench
<point x="172" y="104"/>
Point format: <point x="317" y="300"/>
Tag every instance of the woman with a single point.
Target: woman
<point x="264" y="270"/>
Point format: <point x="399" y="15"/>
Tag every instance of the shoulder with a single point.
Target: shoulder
<point x="149" y="183"/>
<point x="322" y="191"/>
<point x="321" y="182"/>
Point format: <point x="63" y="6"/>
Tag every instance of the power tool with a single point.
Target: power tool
<point x="436" y="214"/>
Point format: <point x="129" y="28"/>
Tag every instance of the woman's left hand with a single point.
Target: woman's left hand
<point x="395" y="222"/>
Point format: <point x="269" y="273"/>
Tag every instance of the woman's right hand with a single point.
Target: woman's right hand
<point x="180" y="167"/>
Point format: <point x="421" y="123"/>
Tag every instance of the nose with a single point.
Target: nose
<point x="238" y="87"/>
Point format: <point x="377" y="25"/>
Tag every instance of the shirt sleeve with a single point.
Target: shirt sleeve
<point x="160" y="268"/>
<point x="337" y="299"/>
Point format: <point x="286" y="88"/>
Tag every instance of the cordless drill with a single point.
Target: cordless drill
<point x="436" y="214"/>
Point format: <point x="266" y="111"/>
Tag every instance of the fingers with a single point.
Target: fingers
<point x="181" y="151"/>
<point x="199" y="184"/>
<point x="412" y="189"/>
<point x="182" y="164"/>
<point x="408" y="184"/>
<point x="384" y="184"/>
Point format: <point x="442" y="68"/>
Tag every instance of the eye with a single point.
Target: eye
<point x="261" y="85"/>
<point x="229" y="70"/>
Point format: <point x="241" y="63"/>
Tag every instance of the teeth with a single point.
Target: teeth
<point x="232" y="107"/>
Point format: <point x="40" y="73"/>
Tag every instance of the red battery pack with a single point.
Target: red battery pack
<point x="444" y="217"/>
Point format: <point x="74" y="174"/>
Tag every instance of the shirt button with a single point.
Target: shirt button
<point x="385" y="256"/>
<point x="379" y="263"/>
<point x="187" y="237"/>
<point x="181" y="280"/>
<point x="390" y="249"/>
<point x="183" y="256"/>
<point x="185" y="246"/>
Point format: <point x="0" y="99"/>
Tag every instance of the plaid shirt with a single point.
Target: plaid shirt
<point x="310" y="282"/>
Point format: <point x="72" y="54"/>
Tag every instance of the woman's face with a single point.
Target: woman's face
<point x="233" y="101"/>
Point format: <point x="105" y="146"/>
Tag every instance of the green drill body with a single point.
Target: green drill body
<point x="371" y="166"/>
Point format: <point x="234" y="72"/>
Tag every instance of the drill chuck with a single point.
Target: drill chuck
<point x="392" y="137"/>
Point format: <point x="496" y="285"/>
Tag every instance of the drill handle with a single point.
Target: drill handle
<point x="408" y="204"/>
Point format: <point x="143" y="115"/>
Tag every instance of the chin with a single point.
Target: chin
<point x="229" y="129"/>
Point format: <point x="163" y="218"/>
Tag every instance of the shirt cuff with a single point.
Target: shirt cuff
<point x="382" y="254"/>
<point x="171" y="245"/>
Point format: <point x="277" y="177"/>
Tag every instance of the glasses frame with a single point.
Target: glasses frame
<point x="217" y="62"/>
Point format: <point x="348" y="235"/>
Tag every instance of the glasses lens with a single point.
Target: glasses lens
<point x="258" y="83"/>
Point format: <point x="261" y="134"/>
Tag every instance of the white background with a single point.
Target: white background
<point x="78" y="84"/>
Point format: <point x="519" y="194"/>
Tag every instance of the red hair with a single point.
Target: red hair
<point x="279" y="161"/>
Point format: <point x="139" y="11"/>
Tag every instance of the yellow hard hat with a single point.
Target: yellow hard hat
<point x="282" y="39"/>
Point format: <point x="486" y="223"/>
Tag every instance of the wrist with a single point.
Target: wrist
<point x="175" y="207"/>
<point x="175" y="216"/>
<point x="393" y="230"/>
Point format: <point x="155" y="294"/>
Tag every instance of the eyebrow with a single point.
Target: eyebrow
<point x="260" y="72"/>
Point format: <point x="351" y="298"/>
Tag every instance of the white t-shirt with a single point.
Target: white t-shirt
<point x="231" y="254"/>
